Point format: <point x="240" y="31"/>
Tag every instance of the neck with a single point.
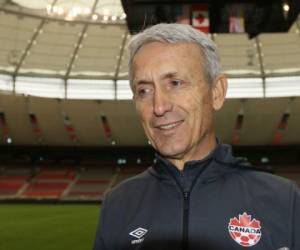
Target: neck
<point x="199" y="152"/>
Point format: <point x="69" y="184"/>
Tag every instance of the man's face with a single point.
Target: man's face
<point x="172" y="97"/>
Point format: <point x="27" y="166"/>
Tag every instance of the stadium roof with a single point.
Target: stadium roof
<point x="51" y="57"/>
<point x="34" y="44"/>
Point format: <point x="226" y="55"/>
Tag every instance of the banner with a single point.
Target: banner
<point x="70" y="129"/>
<point x="106" y="127"/>
<point x="36" y="127"/>
<point x="281" y="128"/>
<point x="238" y="126"/>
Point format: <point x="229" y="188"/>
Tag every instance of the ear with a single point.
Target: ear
<point x="219" y="90"/>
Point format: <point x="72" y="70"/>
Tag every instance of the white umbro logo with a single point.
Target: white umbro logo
<point x="138" y="233"/>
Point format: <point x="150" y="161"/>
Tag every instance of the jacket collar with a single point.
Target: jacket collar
<point x="219" y="162"/>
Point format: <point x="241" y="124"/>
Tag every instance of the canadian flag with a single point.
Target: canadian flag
<point x="183" y="14"/>
<point x="200" y="17"/>
<point x="236" y="19"/>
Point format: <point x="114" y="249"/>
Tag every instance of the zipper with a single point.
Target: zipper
<point x="186" y="207"/>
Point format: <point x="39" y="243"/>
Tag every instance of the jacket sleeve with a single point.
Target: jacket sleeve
<point x="295" y="217"/>
<point x="99" y="240"/>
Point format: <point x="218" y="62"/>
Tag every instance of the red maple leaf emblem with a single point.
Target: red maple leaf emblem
<point x="245" y="231"/>
<point x="245" y="221"/>
<point x="200" y="18"/>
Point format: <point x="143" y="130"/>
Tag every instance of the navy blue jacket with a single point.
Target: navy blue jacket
<point x="215" y="203"/>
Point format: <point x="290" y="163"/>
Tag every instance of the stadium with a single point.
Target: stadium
<point x="69" y="131"/>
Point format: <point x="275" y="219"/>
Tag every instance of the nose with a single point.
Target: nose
<point x="161" y="103"/>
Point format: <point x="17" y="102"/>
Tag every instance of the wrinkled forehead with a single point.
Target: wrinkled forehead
<point x="164" y="56"/>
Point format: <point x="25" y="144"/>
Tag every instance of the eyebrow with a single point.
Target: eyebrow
<point x="167" y="75"/>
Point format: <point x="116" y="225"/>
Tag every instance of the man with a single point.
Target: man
<point x="197" y="195"/>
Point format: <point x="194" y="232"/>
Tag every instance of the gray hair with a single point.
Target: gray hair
<point x="177" y="33"/>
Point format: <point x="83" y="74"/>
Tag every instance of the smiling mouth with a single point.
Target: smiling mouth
<point x="169" y="125"/>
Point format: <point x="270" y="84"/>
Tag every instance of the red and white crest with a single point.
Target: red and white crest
<point x="245" y="231"/>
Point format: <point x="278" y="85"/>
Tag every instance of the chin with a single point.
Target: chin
<point x="174" y="150"/>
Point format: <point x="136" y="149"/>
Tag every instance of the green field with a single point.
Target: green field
<point x="48" y="227"/>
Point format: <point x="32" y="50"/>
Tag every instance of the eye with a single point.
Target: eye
<point x="143" y="92"/>
<point x="176" y="82"/>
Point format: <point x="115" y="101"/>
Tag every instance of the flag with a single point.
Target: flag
<point x="70" y="129"/>
<point x="5" y="130"/>
<point x="200" y="17"/>
<point x="36" y="127"/>
<point x="239" y="121"/>
<point x="238" y="126"/>
<point x="284" y="120"/>
<point x="183" y="13"/>
<point x="106" y="127"/>
<point x="282" y="125"/>
<point x="236" y="19"/>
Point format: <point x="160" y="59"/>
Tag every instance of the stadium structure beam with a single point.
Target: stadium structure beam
<point x="5" y="3"/>
<point x="65" y="88"/>
<point x="14" y="84"/>
<point x="122" y="49"/>
<point x="261" y="64"/>
<point x="298" y="24"/>
<point x="60" y="76"/>
<point x="53" y="3"/>
<point x="28" y="47"/>
<point x="79" y="42"/>
<point x="55" y="19"/>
